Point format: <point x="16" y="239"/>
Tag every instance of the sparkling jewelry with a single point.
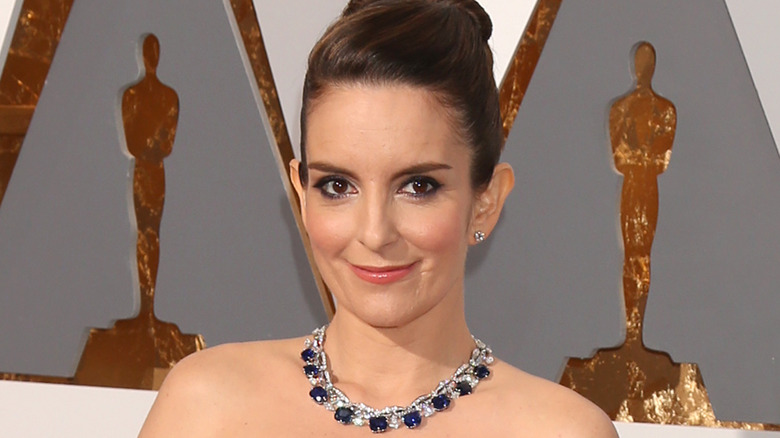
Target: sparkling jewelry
<point x="462" y="382"/>
<point x="479" y="236"/>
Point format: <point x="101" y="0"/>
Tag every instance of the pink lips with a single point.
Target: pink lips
<point x="382" y="275"/>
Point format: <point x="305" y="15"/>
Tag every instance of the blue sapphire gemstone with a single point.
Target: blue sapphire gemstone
<point x="308" y="355"/>
<point x="440" y="402"/>
<point x="311" y="370"/>
<point x="463" y="388"/>
<point x="481" y="371"/>
<point x="412" y="419"/>
<point x="319" y="394"/>
<point x="377" y="424"/>
<point x="343" y="415"/>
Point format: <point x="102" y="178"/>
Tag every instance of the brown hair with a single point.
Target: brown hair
<point x="439" y="45"/>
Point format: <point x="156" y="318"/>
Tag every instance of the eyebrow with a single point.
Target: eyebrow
<point x="422" y="168"/>
<point x="412" y="170"/>
<point x="329" y="168"/>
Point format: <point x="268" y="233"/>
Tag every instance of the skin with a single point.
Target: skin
<point x="399" y="172"/>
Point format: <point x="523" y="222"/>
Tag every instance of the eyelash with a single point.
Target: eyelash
<point x="432" y="186"/>
<point x="325" y="186"/>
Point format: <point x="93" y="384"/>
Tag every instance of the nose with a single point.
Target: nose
<point x="377" y="223"/>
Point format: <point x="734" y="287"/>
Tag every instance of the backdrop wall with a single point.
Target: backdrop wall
<point x="546" y="287"/>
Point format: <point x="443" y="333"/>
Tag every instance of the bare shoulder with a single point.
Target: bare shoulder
<point x="546" y="408"/>
<point x="204" y="393"/>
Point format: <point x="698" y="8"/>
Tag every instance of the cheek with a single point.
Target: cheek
<point x="328" y="230"/>
<point x="437" y="230"/>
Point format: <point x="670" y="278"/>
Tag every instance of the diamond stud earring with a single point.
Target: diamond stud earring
<point x="479" y="236"/>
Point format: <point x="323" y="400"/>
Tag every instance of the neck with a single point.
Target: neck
<point x="392" y="366"/>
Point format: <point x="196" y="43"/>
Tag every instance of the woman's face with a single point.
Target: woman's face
<point x="388" y="204"/>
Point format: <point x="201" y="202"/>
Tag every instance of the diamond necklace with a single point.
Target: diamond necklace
<point x="461" y="383"/>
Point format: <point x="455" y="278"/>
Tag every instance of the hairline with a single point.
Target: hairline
<point x="454" y="116"/>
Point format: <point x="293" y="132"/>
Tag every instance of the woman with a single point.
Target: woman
<point x="399" y="175"/>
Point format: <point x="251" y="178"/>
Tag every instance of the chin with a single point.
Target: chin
<point x="386" y="318"/>
<point x="388" y="309"/>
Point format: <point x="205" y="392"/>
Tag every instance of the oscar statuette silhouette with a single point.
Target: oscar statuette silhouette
<point x="631" y="382"/>
<point x="138" y="352"/>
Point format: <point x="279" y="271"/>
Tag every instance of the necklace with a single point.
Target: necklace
<point x="462" y="382"/>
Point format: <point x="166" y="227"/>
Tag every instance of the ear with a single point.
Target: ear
<point x="489" y="203"/>
<point x="295" y="179"/>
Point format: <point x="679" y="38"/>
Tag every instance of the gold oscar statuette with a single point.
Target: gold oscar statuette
<point x="631" y="382"/>
<point x="138" y="352"/>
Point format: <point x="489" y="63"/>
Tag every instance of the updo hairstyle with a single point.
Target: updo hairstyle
<point x="438" y="45"/>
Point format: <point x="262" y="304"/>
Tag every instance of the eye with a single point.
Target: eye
<point x="335" y="187"/>
<point x="419" y="186"/>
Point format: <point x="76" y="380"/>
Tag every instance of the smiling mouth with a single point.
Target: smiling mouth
<point x="382" y="274"/>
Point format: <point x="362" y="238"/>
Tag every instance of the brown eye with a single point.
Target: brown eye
<point x="340" y="187"/>
<point x="419" y="187"/>
<point x="335" y="187"/>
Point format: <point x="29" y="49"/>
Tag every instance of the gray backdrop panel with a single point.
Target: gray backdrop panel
<point x="232" y="266"/>
<point x="549" y="285"/>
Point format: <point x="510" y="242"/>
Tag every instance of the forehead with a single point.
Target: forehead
<point x="383" y="121"/>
